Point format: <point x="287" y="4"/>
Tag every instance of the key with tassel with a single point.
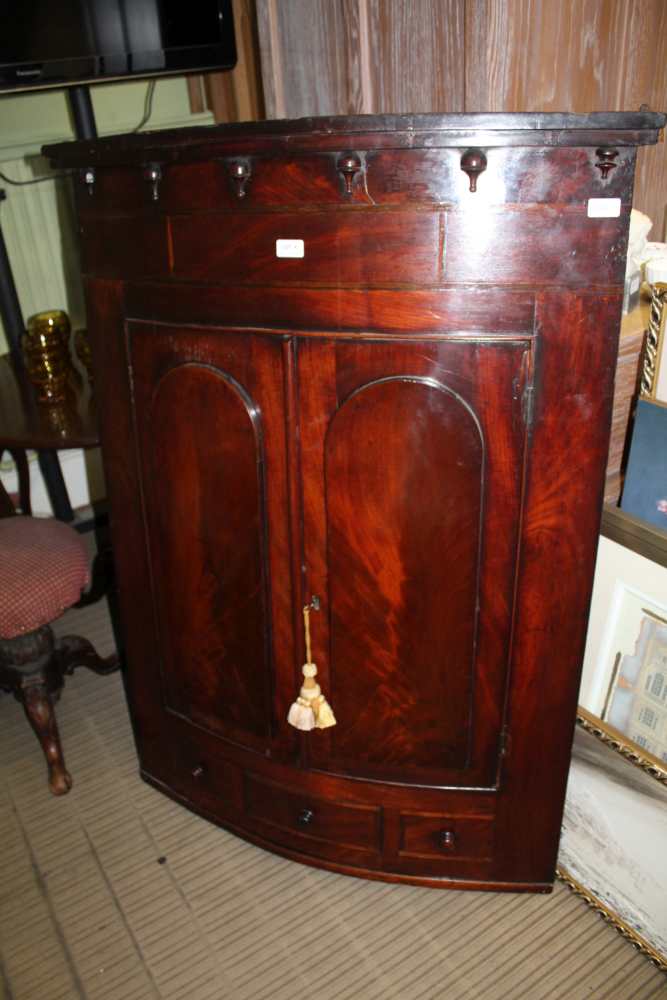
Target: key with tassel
<point x="311" y="710"/>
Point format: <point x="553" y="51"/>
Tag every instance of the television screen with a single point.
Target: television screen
<point x="55" y="43"/>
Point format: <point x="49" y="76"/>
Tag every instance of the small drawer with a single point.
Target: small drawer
<point x="357" y="247"/>
<point x="290" y="813"/>
<point x="202" y="779"/>
<point x="429" y="835"/>
<point x="539" y="244"/>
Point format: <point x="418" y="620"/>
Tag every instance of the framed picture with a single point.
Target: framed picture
<point x="626" y="646"/>
<point x="636" y="702"/>
<point x="612" y="849"/>
<point x="645" y="489"/>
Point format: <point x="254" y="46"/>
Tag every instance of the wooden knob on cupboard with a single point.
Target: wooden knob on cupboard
<point x="349" y="165"/>
<point x="473" y="163"/>
<point x="447" y="840"/>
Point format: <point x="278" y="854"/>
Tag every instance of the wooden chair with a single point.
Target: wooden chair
<point x="44" y="567"/>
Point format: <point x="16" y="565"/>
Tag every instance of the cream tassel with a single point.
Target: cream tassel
<point x="311" y="710"/>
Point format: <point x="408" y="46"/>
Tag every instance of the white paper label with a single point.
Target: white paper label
<point x="290" y="248"/>
<point x="604" y="208"/>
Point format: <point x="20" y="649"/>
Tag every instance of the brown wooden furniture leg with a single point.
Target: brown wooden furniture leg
<point x="33" y="667"/>
<point x="37" y="701"/>
<point x="23" y="473"/>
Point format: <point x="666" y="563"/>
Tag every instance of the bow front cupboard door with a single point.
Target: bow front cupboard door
<point x="214" y="491"/>
<point x="405" y="462"/>
<point x="412" y="459"/>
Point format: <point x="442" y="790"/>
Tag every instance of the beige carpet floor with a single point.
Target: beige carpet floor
<point x="114" y="892"/>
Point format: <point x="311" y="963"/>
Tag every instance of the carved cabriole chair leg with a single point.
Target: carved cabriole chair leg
<point x="38" y="704"/>
<point x="74" y="651"/>
<point x="27" y="670"/>
<point x="33" y="667"/>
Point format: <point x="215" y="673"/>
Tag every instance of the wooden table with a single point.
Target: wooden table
<point x="25" y="423"/>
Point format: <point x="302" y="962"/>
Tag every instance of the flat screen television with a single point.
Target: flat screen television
<point x="59" y="43"/>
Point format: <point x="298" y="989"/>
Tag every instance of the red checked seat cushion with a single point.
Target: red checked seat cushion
<point x="43" y="569"/>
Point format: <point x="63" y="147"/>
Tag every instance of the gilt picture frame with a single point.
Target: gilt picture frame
<point x="615" y="818"/>
<point x="613" y="835"/>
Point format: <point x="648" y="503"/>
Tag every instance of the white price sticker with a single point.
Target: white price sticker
<point x="290" y="248"/>
<point x="604" y="208"/>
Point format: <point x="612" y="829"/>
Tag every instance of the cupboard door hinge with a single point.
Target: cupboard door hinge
<point x="130" y="381"/>
<point x="528" y="404"/>
<point x="504" y="741"/>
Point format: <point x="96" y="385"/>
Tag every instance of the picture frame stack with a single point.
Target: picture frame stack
<point x="614" y="832"/>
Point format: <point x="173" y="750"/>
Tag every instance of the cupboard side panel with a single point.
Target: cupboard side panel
<point x="105" y="311"/>
<point x="573" y="395"/>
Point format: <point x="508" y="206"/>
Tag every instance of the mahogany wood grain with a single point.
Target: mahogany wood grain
<point x="147" y="254"/>
<point x="401" y="658"/>
<point x="396" y="177"/>
<point x="339" y="822"/>
<point x="204" y="483"/>
<point x="563" y="503"/>
<point x="340" y="248"/>
<point x="216" y="538"/>
<point x="353" y="312"/>
<point x="414" y="131"/>
<point x="106" y="324"/>
<point x="410" y="423"/>
<point x="390" y="530"/>
<point x="430" y="837"/>
<point x="500" y="246"/>
<point x="522" y="176"/>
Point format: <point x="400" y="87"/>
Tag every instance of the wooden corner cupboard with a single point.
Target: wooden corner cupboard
<point x="364" y="364"/>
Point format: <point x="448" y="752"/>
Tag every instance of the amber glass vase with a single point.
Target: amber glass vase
<point x="46" y="352"/>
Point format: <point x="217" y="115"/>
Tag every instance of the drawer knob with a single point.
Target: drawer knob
<point x="153" y="174"/>
<point x="447" y="840"/>
<point x="349" y="165"/>
<point x="240" y="173"/>
<point x="605" y="162"/>
<point x="473" y="163"/>
<point x="305" y="817"/>
<point x="198" y="771"/>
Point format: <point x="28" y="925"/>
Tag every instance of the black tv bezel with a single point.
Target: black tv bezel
<point x="85" y="70"/>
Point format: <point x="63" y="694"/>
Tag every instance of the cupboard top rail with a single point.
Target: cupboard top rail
<point x="366" y="131"/>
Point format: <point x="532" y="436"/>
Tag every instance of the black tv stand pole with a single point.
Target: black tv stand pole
<point x="81" y="107"/>
<point x="84" y="125"/>
<point x="10" y="310"/>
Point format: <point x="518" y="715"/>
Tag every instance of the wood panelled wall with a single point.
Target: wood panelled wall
<point x="372" y="56"/>
<point x="235" y="96"/>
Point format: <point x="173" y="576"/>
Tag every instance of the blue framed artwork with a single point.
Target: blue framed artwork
<point x="645" y="490"/>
